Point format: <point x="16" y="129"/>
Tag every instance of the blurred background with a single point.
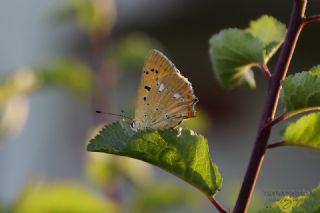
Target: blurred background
<point x="62" y="60"/>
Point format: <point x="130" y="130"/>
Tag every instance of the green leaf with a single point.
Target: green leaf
<point x="270" y="31"/>
<point x="307" y="203"/>
<point x="301" y="90"/>
<point x="233" y="52"/>
<point x="180" y="152"/>
<point x="304" y="132"/>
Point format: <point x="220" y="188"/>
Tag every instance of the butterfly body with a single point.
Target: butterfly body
<point x="165" y="98"/>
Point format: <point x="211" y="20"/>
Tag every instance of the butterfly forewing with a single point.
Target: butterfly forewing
<point x="165" y="98"/>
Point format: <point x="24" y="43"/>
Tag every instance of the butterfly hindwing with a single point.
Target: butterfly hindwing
<point x="165" y="98"/>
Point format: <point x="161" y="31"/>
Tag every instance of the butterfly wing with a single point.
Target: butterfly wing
<point x="165" y="98"/>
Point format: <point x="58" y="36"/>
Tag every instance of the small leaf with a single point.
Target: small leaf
<point x="308" y="203"/>
<point x="304" y="132"/>
<point x="301" y="89"/>
<point x="180" y="152"/>
<point x="233" y="52"/>
<point x="270" y="31"/>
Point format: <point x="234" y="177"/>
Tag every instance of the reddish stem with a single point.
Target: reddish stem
<point x="275" y="145"/>
<point x="311" y="19"/>
<point x="294" y="29"/>
<point x="265" y="70"/>
<point x="217" y="205"/>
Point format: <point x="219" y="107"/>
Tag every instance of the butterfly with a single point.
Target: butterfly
<point x="165" y="97"/>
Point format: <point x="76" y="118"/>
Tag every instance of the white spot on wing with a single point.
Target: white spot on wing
<point x="161" y="88"/>
<point x="176" y="95"/>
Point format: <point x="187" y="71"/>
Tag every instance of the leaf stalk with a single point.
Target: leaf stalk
<point x="217" y="205"/>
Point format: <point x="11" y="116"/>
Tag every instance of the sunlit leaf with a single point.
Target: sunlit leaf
<point x="270" y="31"/>
<point x="162" y="197"/>
<point x="72" y="75"/>
<point x="62" y="197"/>
<point x="180" y="152"/>
<point x="304" y="132"/>
<point x="301" y="89"/>
<point x="308" y="203"/>
<point x="233" y="52"/>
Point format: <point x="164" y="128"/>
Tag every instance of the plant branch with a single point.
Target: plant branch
<point x="311" y="19"/>
<point x="265" y="70"/>
<point x="217" y="205"/>
<point x="270" y="106"/>
<point x="275" y="145"/>
<point x="290" y="114"/>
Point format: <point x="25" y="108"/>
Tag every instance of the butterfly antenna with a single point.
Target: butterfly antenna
<point x="108" y="113"/>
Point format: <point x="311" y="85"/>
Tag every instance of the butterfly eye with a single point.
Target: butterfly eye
<point x="133" y="126"/>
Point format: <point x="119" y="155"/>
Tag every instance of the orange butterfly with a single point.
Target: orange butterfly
<point x="165" y="98"/>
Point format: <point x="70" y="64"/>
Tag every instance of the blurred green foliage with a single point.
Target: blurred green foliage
<point x="130" y="51"/>
<point x="163" y="197"/>
<point x="14" y="106"/>
<point x="103" y="169"/>
<point x="199" y="123"/>
<point x="62" y="197"/>
<point x="71" y="74"/>
<point x="93" y="16"/>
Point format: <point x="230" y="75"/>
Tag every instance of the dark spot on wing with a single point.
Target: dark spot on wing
<point x="144" y="98"/>
<point x="147" y="88"/>
<point x="152" y="70"/>
<point x="147" y="72"/>
<point x="157" y="71"/>
<point x="145" y="116"/>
